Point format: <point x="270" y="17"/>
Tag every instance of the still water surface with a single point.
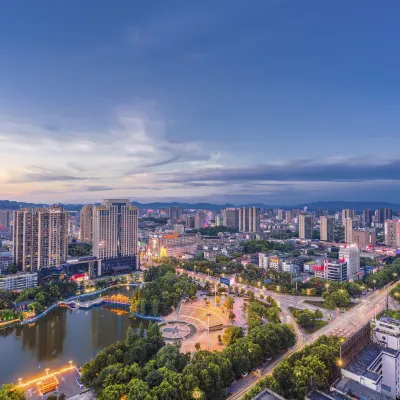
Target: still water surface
<point x="61" y="336"/>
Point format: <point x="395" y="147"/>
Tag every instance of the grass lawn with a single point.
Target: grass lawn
<point x="318" y="324"/>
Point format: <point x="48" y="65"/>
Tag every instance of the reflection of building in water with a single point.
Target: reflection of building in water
<point x="48" y="334"/>
<point x="107" y="327"/>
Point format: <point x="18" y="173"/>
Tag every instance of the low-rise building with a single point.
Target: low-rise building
<point x="5" y="261"/>
<point x="19" y="281"/>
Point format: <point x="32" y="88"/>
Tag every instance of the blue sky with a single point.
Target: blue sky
<point x="268" y="101"/>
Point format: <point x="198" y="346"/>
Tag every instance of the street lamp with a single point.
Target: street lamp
<point x="19" y="381"/>
<point x="70" y="364"/>
<point x="47" y="371"/>
<point x="327" y="287"/>
<point x="208" y="319"/>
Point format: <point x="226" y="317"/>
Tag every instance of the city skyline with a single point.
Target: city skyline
<point x="278" y="103"/>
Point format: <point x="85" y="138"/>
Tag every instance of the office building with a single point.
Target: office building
<point x="363" y="238"/>
<point x="200" y="220"/>
<point x="336" y="270"/>
<point x="348" y="213"/>
<point x="327" y="228"/>
<point x="288" y="216"/>
<point x="5" y="219"/>
<point x="387" y="214"/>
<point x="348" y="230"/>
<point x="5" y="262"/>
<point x="190" y="222"/>
<point x="367" y="217"/>
<point x="249" y="219"/>
<point x="305" y="226"/>
<point x="392" y="233"/>
<point x="230" y="218"/>
<point x="175" y="213"/>
<point x="218" y="220"/>
<point x="351" y="255"/>
<point x="115" y="236"/>
<point x="19" y="282"/>
<point x="40" y="237"/>
<point x="280" y="215"/>
<point x="86" y="234"/>
<point x="172" y="245"/>
<point x="179" y="229"/>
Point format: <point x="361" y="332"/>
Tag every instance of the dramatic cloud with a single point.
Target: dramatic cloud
<point x="345" y="170"/>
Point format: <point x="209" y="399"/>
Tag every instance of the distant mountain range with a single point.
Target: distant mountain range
<point x="323" y="205"/>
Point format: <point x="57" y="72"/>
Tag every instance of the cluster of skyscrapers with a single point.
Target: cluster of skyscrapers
<point x="245" y="219"/>
<point x="40" y="236"/>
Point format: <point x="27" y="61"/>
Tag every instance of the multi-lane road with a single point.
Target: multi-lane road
<point x="342" y="324"/>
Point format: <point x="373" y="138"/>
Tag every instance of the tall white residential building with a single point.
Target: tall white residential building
<point x="230" y="218"/>
<point x="249" y="219"/>
<point x="348" y="213"/>
<point x="86" y="234"/>
<point x="199" y="220"/>
<point x="348" y="230"/>
<point x="392" y="233"/>
<point x="351" y="255"/>
<point x="40" y="237"/>
<point x="5" y="218"/>
<point x="305" y="226"/>
<point x="115" y="235"/>
<point x="327" y="228"/>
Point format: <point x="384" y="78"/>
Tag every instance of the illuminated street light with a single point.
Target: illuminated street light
<point x="327" y="287"/>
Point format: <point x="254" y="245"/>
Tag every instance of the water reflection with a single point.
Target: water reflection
<point x="60" y="336"/>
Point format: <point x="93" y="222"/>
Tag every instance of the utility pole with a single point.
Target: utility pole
<point x="208" y="318"/>
<point x="215" y="294"/>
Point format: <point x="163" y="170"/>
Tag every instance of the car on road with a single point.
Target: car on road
<point x="245" y="374"/>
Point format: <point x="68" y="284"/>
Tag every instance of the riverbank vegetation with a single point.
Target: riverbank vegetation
<point x="314" y="366"/>
<point x="38" y="298"/>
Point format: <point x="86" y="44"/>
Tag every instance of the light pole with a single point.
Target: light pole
<point x="208" y="319"/>
<point x="327" y="287"/>
<point x="374" y="283"/>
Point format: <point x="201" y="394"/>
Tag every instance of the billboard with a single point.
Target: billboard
<point x="225" y="281"/>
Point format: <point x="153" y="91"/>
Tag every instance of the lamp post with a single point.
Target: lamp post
<point x="208" y="320"/>
<point x="327" y="287"/>
<point x="47" y="371"/>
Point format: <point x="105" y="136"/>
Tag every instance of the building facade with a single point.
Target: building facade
<point x="305" y="226"/>
<point x="327" y="228"/>
<point x="348" y="213"/>
<point x="40" y="237"/>
<point x="115" y="235"/>
<point x="249" y="219"/>
<point x="363" y="238"/>
<point x="351" y="255"/>
<point x="200" y="220"/>
<point x="348" y="230"/>
<point x="86" y="234"/>
<point x="367" y="217"/>
<point x="230" y="218"/>
<point x="19" y="282"/>
<point x="392" y="233"/>
<point x="5" y="218"/>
